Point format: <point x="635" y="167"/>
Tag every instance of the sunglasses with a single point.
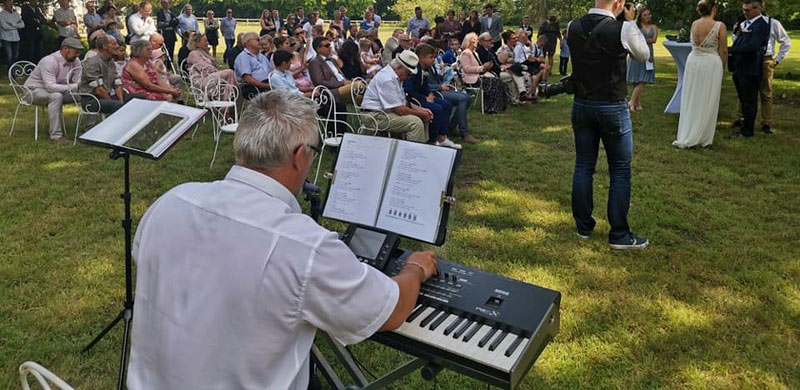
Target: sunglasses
<point x="326" y="45"/>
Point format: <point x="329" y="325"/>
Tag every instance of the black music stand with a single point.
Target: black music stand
<point x="128" y="132"/>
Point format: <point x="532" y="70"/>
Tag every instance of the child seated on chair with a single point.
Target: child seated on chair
<point x="370" y="61"/>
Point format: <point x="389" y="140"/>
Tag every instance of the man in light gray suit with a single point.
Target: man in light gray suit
<point x="493" y="24"/>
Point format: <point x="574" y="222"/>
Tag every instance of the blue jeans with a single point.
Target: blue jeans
<point x="460" y="101"/>
<point x="441" y="117"/>
<point x="593" y="121"/>
<point x="12" y="51"/>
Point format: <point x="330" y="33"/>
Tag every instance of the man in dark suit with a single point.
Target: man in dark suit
<point x="746" y="63"/>
<point x="325" y="71"/>
<point x="166" y="23"/>
<point x="31" y="34"/>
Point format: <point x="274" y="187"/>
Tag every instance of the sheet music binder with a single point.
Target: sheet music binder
<point x="144" y="128"/>
<point x="356" y="149"/>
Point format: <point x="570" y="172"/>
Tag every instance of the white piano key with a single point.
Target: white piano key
<point x="498" y="358"/>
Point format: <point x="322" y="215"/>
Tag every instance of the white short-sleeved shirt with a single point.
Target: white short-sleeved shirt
<point x="232" y="283"/>
<point x="384" y="92"/>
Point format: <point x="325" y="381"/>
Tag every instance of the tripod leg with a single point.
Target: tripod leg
<point x="123" y="358"/>
<point x="103" y="333"/>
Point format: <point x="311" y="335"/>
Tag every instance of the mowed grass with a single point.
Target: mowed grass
<point x="713" y="303"/>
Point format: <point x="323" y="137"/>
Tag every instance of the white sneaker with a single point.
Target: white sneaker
<point x="448" y="143"/>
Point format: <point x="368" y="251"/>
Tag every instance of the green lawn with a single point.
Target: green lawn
<point x="713" y="303"/>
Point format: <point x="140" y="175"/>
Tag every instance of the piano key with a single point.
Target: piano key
<point x="488" y="336"/>
<point x="514" y="346"/>
<point x="498" y="340"/>
<point x="435" y="324"/>
<point x="416" y="313"/>
<point x="472" y="332"/>
<point x="498" y="359"/>
<point x="453" y="326"/>
<point x="463" y="328"/>
<point x="522" y="347"/>
<point x="430" y="318"/>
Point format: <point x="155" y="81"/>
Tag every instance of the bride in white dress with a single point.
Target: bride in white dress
<point x="702" y="79"/>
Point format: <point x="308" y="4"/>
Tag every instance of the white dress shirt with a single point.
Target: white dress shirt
<point x="141" y="28"/>
<point x="384" y="92"/>
<point x="632" y="39"/>
<point x="232" y="283"/>
<point x="777" y="34"/>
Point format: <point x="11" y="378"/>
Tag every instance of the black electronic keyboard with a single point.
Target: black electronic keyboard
<point x="476" y="323"/>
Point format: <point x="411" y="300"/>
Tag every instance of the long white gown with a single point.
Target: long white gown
<point x="702" y="81"/>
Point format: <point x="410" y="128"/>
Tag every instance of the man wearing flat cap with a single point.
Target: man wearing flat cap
<point x="51" y="82"/>
<point x="385" y="94"/>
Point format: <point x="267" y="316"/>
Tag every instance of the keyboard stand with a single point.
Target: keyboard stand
<point x="346" y="359"/>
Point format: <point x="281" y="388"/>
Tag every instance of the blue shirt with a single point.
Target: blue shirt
<point x="449" y="57"/>
<point x="93" y="19"/>
<point x="186" y="23"/>
<point x="282" y="80"/>
<point x="228" y="27"/>
<point x="256" y="65"/>
<point x="346" y="25"/>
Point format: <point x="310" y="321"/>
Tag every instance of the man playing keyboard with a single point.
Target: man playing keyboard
<point x="233" y="280"/>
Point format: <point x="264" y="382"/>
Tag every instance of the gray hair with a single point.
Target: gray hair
<point x="101" y="42"/>
<point x="137" y="47"/>
<point x="485" y="35"/>
<point x="271" y="128"/>
<point x="396" y="64"/>
<point x="248" y="36"/>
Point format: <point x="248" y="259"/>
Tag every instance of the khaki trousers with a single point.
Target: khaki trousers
<point x="53" y="101"/>
<point x="764" y="93"/>
<point x="410" y="126"/>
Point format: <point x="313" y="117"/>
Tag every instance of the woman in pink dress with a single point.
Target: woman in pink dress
<point x="206" y="63"/>
<point x="140" y="77"/>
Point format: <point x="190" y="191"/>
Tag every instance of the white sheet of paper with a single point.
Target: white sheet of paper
<point x="357" y="187"/>
<point x="649" y="65"/>
<point x="412" y="202"/>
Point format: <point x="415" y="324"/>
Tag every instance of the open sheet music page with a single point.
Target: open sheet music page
<point x="412" y="204"/>
<point x="359" y="178"/>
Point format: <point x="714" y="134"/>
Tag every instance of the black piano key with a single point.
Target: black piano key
<point x="514" y="345"/>
<point x="487" y="337"/>
<point x="416" y="313"/>
<point x="453" y="326"/>
<point x="498" y="340"/>
<point x="462" y="329"/>
<point x="472" y="331"/>
<point x="435" y="324"/>
<point x="429" y="318"/>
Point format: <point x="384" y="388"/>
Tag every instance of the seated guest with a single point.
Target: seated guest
<point x="93" y="44"/>
<point x="505" y="54"/>
<point x="351" y="63"/>
<point x="50" y="86"/>
<point x="385" y="93"/>
<point x="404" y="43"/>
<point x="417" y="87"/>
<point x="140" y="76"/>
<point x="206" y="64"/>
<point x="325" y="71"/>
<point x="483" y="72"/>
<point x="99" y="78"/>
<point x="281" y="78"/>
<point x="524" y="54"/>
<point x="187" y="334"/>
<point x="121" y="56"/>
<point x="539" y="51"/>
<point x="299" y="67"/>
<point x="265" y="43"/>
<point x="230" y="54"/>
<point x="460" y="101"/>
<point x="450" y="55"/>
<point x="371" y="63"/>
<point x="183" y="52"/>
<point x="252" y="68"/>
<point x="158" y="60"/>
<point x="391" y="44"/>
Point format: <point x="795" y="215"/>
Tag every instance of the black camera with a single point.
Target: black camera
<point x="565" y="85"/>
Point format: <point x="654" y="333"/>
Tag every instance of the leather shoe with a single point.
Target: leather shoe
<point x="471" y="140"/>
<point x="737" y="123"/>
<point x="767" y="130"/>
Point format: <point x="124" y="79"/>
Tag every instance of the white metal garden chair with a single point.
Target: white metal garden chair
<point x="42" y="375"/>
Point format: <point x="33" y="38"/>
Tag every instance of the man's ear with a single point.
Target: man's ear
<point x="298" y="156"/>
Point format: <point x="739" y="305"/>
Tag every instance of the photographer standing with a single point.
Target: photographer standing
<point x="600" y="43"/>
